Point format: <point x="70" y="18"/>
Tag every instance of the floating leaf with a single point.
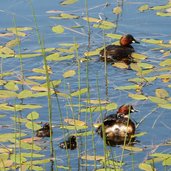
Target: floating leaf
<point x="6" y="51"/>
<point x="74" y="122"/>
<point x="65" y="16"/>
<point x="74" y="127"/>
<point x="92" y="53"/>
<point x="32" y="125"/>
<point x="157" y="100"/>
<point x="88" y="157"/>
<point x="164" y="14"/>
<point x="63" y="167"/>
<point x="145" y="65"/>
<point x="131" y="148"/>
<point x="13" y="43"/>
<point x="11" y="86"/>
<point x="60" y="58"/>
<point x="31" y="55"/>
<point x="142" y="80"/>
<point x="7" y="94"/>
<point x="96" y="101"/>
<point x="45" y="50"/>
<point x="161" y="7"/>
<point x="113" y="36"/>
<point x="161" y="93"/>
<point x="136" y="67"/>
<point x="104" y="25"/>
<point x="117" y="10"/>
<point x="143" y="8"/>
<point x="90" y="19"/>
<point x="167" y="162"/>
<point x="33" y="115"/>
<point x="58" y="29"/>
<point x="129" y="87"/>
<point x="68" y="2"/>
<point x="138" y="96"/>
<point x="37" y="77"/>
<point x="152" y="41"/>
<point x="19" y="120"/>
<point x="69" y="73"/>
<point x="19" y="107"/>
<point x="93" y="109"/>
<point x="121" y="65"/>
<point x="166" y="62"/>
<point x="5" y="164"/>
<point x="111" y="106"/>
<point x="79" y="92"/>
<point x="138" y="56"/>
<point x="165" y="105"/>
<point x="146" y="167"/>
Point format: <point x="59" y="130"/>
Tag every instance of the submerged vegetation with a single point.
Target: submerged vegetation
<point x="62" y="86"/>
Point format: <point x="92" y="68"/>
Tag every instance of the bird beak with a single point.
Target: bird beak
<point x="134" y="110"/>
<point x="135" y="41"/>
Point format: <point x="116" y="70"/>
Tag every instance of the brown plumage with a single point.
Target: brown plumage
<point x="118" y="127"/>
<point x="122" y="52"/>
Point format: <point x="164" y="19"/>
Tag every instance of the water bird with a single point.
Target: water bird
<point x="44" y="131"/>
<point x="118" y="128"/>
<point x="119" y="53"/>
<point x="71" y="143"/>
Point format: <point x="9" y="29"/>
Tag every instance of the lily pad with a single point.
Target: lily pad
<point x="69" y="73"/>
<point x="58" y="29"/>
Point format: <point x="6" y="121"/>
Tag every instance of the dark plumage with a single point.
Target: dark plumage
<point x="44" y="131"/>
<point x="118" y="127"/>
<point x="71" y="143"/>
<point x="122" y="52"/>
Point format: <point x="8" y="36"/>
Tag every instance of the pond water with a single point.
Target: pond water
<point x="102" y="80"/>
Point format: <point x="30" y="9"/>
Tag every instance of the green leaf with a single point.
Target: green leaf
<point x="131" y="148"/>
<point x="142" y="80"/>
<point x="138" y="56"/>
<point x="73" y="127"/>
<point x="65" y="16"/>
<point x="69" y="73"/>
<point x="89" y="157"/>
<point x="74" y="122"/>
<point x="92" y="53"/>
<point x="7" y="94"/>
<point x="129" y="87"/>
<point x="145" y="65"/>
<point x="25" y="94"/>
<point x="90" y="19"/>
<point x="93" y="109"/>
<point x="167" y="162"/>
<point x="165" y="105"/>
<point x="164" y="14"/>
<point x="58" y="29"/>
<point x="117" y="10"/>
<point x="161" y="93"/>
<point x="19" y="107"/>
<point x="13" y="43"/>
<point x="68" y="2"/>
<point x="6" y="51"/>
<point x="32" y="125"/>
<point x="113" y="36"/>
<point x="60" y="58"/>
<point x="138" y="96"/>
<point x="146" y="167"/>
<point x="80" y="92"/>
<point x="33" y="115"/>
<point x="152" y="41"/>
<point x="31" y="55"/>
<point x="166" y="62"/>
<point x="143" y="8"/>
<point x="157" y="100"/>
<point x="111" y="106"/>
<point x="104" y="25"/>
<point x="161" y="7"/>
<point x="120" y="65"/>
<point x="11" y="86"/>
<point x="17" y="158"/>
